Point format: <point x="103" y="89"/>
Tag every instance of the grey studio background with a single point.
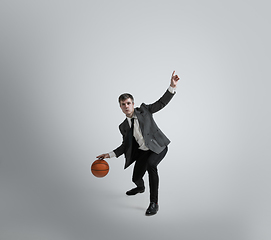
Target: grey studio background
<point x="63" y="66"/>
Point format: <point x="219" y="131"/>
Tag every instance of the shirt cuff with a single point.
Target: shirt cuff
<point x="112" y="154"/>
<point x="172" y="90"/>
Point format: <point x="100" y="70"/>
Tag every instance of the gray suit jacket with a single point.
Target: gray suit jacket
<point x="154" y="138"/>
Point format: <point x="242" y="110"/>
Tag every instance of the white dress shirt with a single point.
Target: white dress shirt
<point x="137" y="131"/>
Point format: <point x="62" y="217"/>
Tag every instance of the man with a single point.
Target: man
<point x="143" y="142"/>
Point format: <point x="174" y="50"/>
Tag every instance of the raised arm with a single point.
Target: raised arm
<point x="164" y="100"/>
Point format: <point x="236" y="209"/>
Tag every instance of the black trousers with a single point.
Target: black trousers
<point x="148" y="161"/>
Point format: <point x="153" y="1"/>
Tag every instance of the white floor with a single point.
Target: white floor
<point x="44" y="205"/>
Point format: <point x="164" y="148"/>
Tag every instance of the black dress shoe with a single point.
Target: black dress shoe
<point x="135" y="191"/>
<point x="152" y="209"/>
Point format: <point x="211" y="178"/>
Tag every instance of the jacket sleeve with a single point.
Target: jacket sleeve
<point x="160" y="103"/>
<point x="120" y="150"/>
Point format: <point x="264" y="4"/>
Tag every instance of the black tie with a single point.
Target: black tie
<point x="132" y="125"/>
<point x="131" y="132"/>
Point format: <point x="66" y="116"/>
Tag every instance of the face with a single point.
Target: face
<point x="127" y="107"/>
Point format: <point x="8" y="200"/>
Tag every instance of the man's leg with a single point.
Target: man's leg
<point x="140" y="168"/>
<point x="139" y="171"/>
<point x="152" y="162"/>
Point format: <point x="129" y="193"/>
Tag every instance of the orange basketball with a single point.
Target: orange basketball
<point x="99" y="168"/>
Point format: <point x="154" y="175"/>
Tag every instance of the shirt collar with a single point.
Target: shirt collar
<point x="134" y="116"/>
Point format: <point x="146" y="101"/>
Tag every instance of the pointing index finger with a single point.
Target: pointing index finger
<point x="173" y="73"/>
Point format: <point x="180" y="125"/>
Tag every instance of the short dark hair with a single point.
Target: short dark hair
<point x="125" y="96"/>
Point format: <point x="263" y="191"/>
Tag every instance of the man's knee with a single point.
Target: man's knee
<point x="152" y="166"/>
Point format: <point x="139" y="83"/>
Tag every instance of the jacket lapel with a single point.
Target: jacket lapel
<point x="139" y="115"/>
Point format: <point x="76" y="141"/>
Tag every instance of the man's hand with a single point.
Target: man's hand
<point x="174" y="80"/>
<point x="102" y="156"/>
